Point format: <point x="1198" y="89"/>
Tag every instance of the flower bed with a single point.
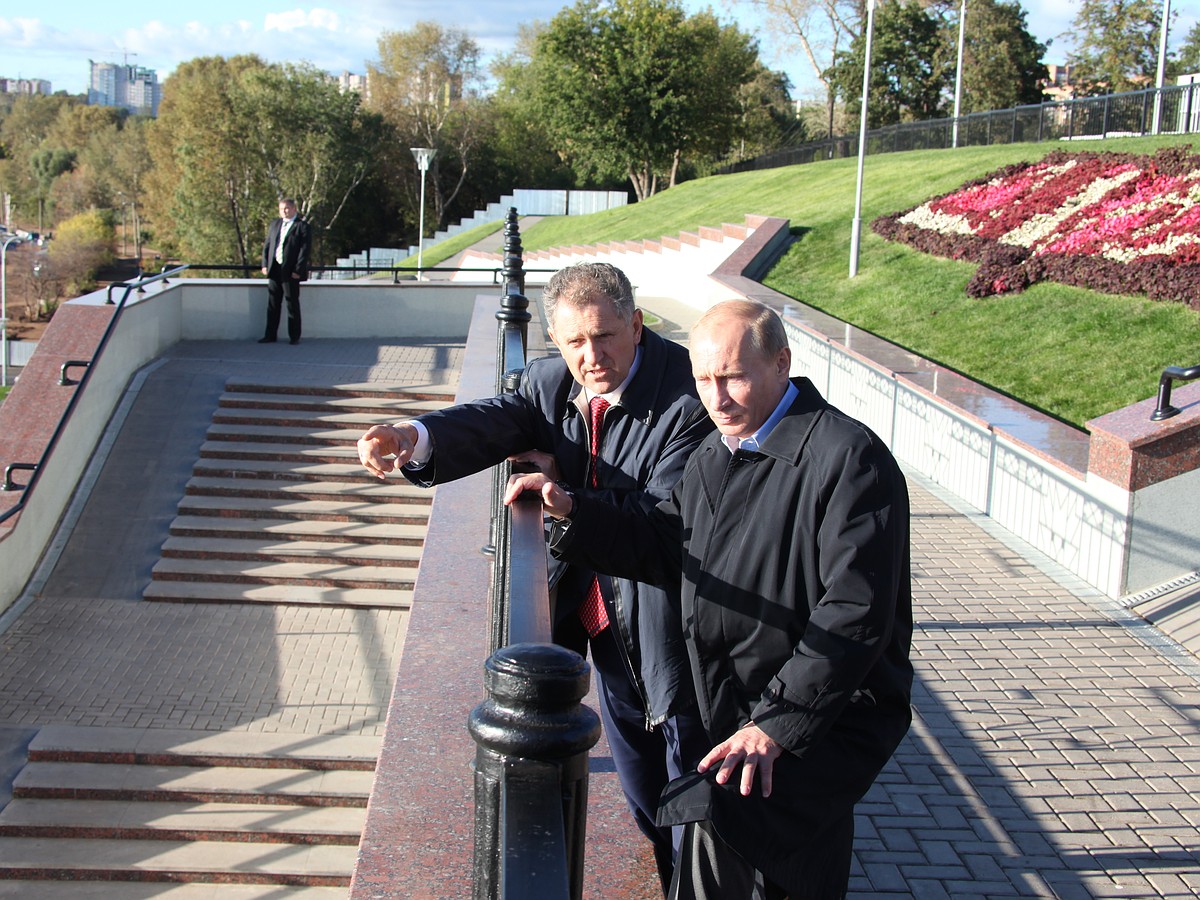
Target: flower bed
<point x="1112" y="222"/>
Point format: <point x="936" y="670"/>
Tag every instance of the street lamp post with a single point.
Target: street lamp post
<point x="1162" y="65"/>
<point x="958" y="76"/>
<point x="4" y="308"/>
<point x="856" y="228"/>
<point x="424" y="156"/>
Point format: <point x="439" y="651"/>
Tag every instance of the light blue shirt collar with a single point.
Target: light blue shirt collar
<point x="754" y="441"/>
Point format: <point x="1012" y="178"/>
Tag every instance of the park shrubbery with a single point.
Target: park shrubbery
<point x="1113" y="222"/>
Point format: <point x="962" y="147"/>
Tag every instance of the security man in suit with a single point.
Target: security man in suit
<point x="285" y="263"/>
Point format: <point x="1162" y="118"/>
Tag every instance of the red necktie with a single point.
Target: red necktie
<point x="592" y="612"/>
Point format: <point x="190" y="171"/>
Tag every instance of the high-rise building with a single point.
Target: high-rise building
<point x="24" y="86"/>
<point x="129" y="87"/>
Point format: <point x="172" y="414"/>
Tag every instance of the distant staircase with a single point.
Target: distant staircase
<point x="279" y="509"/>
<point x="127" y="813"/>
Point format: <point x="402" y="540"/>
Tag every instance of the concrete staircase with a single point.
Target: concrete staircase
<point x="131" y="813"/>
<point x="279" y="510"/>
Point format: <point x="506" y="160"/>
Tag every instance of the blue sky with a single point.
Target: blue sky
<point x="55" y="42"/>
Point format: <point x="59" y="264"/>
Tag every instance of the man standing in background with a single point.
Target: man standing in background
<point x="285" y="263"/>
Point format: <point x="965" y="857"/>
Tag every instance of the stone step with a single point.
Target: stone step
<point x="276" y="594"/>
<point x="283" y="434"/>
<point x="144" y="782"/>
<point x="311" y="574"/>
<point x="182" y="821"/>
<point x="285" y="470"/>
<point x="173" y="861"/>
<point x="129" y="890"/>
<point x="303" y="405"/>
<point x="443" y="393"/>
<point x="266" y="549"/>
<point x="300" y="453"/>
<point x="311" y="510"/>
<point x="188" y="747"/>
<point x="374" y="491"/>
<point x="298" y="529"/>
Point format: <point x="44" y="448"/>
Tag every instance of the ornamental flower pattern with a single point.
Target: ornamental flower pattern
<point x="1108" y="221"/>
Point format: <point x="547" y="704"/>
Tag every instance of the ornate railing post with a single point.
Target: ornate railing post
<point x="532" y="736"/>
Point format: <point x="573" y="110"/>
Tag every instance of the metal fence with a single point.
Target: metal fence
<point x="1169" y="110"/>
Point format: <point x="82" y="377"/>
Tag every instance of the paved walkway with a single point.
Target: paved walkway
<point x="1055" y="750"/>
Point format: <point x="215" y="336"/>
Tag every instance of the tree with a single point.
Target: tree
<point x="1187" y="60"/>
<point x="235" y="134"/>
<point x="427" y="86"/>
<point x="1002" y="61"/>
<point x="820" y="29"/>
<point x="1116" y="45"/>
<point x="911" y="77"/>
<point x="632" y="87"/>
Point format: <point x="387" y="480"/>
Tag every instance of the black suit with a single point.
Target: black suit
<point x="283" y="279"/>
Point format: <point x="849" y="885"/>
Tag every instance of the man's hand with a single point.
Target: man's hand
<point x="384" y="448"/>
<point x="543" y="462"/>
<point x="555" y="500"/>
<point x="751" y="747"/>
<point x="264" y="270"/>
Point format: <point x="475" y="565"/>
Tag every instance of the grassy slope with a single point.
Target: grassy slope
<point x="1074" y="353"/>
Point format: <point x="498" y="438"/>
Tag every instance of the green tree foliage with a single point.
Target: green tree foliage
<point x="1187" y="60"/>
<point x="911" y="74"/>
<point x="427" y="86"/>
<point x="1116" y="45"/>
<point x="81" y="245"/>
<point x="633" y="87"/>
<point x="235" y="134"/>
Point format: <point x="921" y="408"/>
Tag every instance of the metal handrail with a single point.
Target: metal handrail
<point x="1164" y="409"/>
<point x="52" y="443"/>
<point x="141" y="282"/>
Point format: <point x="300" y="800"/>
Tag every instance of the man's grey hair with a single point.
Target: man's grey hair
<point x="585" y="283"/>
<point x="763" y="324"/>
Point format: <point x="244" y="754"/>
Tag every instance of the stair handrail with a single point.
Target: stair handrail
<point x="1164" y="409"/>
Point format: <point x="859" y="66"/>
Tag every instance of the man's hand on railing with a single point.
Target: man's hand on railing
<point x="537" y="461"/>
<point x="556" y="501"/>
<point x="384" y="448"/>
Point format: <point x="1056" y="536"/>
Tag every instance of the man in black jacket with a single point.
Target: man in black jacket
<point x="650" y="421"/>
<point x="789" y="535"/>
<point x="285" y="263"/>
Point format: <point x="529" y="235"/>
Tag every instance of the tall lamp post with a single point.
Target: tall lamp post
<point x="424" y="156"/>
<point x="1162" y="64"/>
<point x="958" y="75"/>
<point x="4" y="308"/>
<point x="856" y="228"/>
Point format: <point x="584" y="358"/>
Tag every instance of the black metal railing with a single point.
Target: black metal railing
<point x="1168" y="110"/>
<point x="399" y="274"/>
<point x="1164" y="409"/>
<point x="80" y="386"/>
<point x="532" y="733"/>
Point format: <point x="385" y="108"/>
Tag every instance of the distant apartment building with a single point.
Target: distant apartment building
<point x="24" y="86"/>
<point x="128" y="87"/>
<point x="349" y="81"/>
<point x="1058" y="86"/>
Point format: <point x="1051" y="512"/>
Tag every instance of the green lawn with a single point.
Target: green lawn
<point x="1073" y="353"/>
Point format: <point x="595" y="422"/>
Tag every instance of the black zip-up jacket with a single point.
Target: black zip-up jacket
<point x="644" y="447"/>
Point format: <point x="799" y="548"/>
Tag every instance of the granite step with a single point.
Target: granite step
<point x="310" y="574"/>
<point x="145" y="782"/>
<point x="232" y="412"/>
<point x="283" y="434"/>
<point x="128" y="890"/>
<point x="311" y="510"/>
<point x="299" y="453"/>
<point x="173" y="861"/>
<point x="165" y="591"/>
<point x="374" y="491"/>
<point x="368" y="390"/>
<point x="397" y="405"/>
<point x="188" y="747"/>
<point x="298" y="529"/>
<point x="284" y="470"/>
<point x="268" y="549"/>
<point x="182" y="821"/>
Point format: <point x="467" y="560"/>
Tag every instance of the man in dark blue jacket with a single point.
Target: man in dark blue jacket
<point x="285" y="263"/>
<point x="637" y="389"/>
